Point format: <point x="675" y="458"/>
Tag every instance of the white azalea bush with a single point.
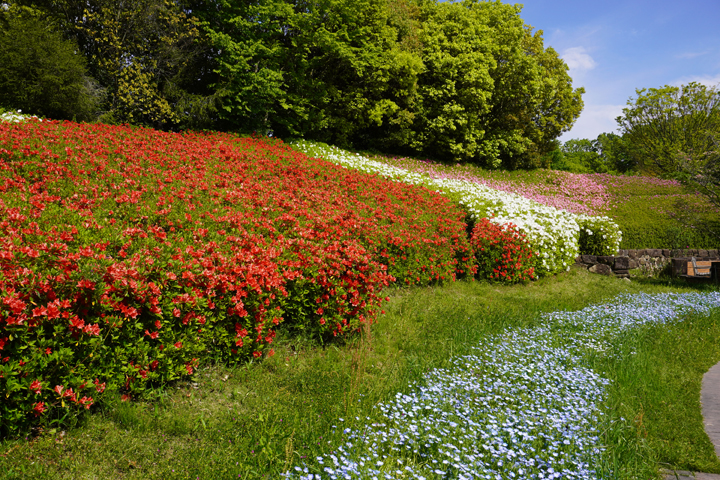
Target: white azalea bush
<point x="13" y="116"/>
<point x="598" y="235"/>
<point x="555" y="235"/>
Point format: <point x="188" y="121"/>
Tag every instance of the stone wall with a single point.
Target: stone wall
<point x="649" y="261"/>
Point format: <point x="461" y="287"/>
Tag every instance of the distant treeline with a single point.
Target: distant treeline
<point x="466" y="81"/>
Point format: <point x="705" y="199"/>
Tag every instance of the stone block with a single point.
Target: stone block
<point x="676" y="253"/>
<point x="619" y="273"/>
<point x="621" y="263"/>
<point x="606" y="259"/>
<point x="654" y="252"/>
<point x="633" y="263"/>
<point x="665" y="252"/>
<point x="601" y="269"/>
<point x="713" y="254"/>
<point x="702" y="253"/>
<point x="588" y="259"/>
<point x="633" y="254"/>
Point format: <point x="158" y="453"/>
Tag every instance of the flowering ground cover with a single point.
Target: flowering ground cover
<point x="129" y="256"/>
<point x="526" y="404"/>
<point x="651" y="212"/>
<point x="555" y="235"/>
<point x="13" y="116"/>
<point x="576" y="193"/>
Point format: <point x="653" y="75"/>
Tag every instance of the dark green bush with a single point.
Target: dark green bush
<point x="42" y="73"/>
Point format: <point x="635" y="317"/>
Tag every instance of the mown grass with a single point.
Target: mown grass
<point x="654" y="397"/>
<point x="258" y="420"/>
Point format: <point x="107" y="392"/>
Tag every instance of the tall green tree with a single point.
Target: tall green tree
<point x="533" y="100"/>
<point x="615" y="153"/>
<point x="41" y="72"/>
<point x="662" y="123"/>
<point x="455" y="87"/>
<point x="490" y="92"/>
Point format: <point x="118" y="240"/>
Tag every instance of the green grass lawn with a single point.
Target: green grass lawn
<point x="258" y="420"/>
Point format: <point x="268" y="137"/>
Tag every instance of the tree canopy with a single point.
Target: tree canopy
<point x="663" y="123"/>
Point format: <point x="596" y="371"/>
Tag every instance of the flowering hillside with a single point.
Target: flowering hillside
<point x="128" y="255"/>
<point x="651" y="212"/>
<point x="555" y="235"/>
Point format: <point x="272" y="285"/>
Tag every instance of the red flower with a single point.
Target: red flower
<point x="39" y="408"/>
<point x="100" y="387"/>
<point x="36" y="386"/>
<point x="178" y="345"/>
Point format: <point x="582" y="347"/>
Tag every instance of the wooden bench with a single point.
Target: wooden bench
<point x="703" y="270"/>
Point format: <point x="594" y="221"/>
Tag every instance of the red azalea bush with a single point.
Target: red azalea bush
<point x="502" y="252"/>
<point x="128" y="256"/>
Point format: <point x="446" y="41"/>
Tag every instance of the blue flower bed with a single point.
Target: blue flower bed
<point x="525" y="405"/>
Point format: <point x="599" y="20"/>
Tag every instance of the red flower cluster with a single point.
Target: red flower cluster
<point x="502" y="252"/>
<point x="128" y="254"/>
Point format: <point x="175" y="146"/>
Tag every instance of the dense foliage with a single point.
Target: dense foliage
<point x="129" y="256"/>
<point x="40" y="71"/>
<point x="148" y="57"/>
<point x="608" y="153"/>
<point x="662" y="124"/>
<point x="467" y="81"/>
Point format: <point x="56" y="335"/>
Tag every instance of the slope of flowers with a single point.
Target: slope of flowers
<point x="553" y="234"/>
<point x="525" y="405"/>
<point x="652" y="212"/>
<point x="576" y="193"/>
<point x="128" y="256"/>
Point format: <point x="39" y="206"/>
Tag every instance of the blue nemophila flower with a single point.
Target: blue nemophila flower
<point x="524" y="404"/>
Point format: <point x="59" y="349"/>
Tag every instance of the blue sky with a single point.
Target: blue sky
<point x="613" y="47"/>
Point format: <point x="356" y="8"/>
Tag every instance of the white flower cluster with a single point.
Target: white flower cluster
<point x="606" y="233"/>
<point x="524" y="406"/>
<point x="14" y="117"/>
<point x="553" y="234"/>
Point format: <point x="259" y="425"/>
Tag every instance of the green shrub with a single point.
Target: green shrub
<point x="41" y="72"/>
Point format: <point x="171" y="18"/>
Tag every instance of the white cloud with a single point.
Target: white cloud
<point x="594" y="120"/>
<point x="691" y="55"/>
<point x="707" y="80"/>
<point x="578" y="59"/>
